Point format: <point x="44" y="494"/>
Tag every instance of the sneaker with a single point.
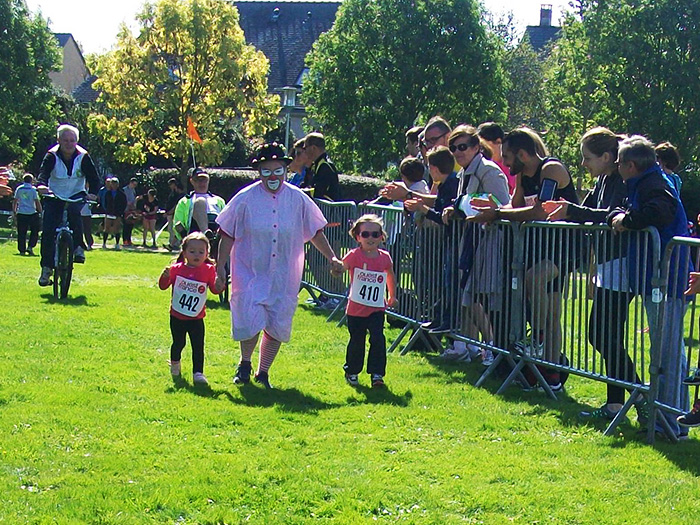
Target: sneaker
<point x="463" y="352"/>
<point x="264" y="379"/>
<point x="175" y="368"/>
<point x="330" y="304"/>
<point x="117" y="247"/>
<point x="529" y="348"/>
<point x="377" y="381"/>
<point x="643" y="414"/>
<point x="441" y="329"/>
<point x="692" y="418"/>
<point x="352" y="379"/>
<point x="474" y="351"/>
<point x="45" y="278"/>
<point x="553" y="379"/>
<point x="243" y="371"/>
<point x="199" y="379"/>
<point x="79" y="255"/>
<point x="430" y="325"/>
<point x="602" y="413"/>
<point x="693" y="379"/>
<point x="487" y="357"/>
<point x="452" y="354"/>
<point x="30" y="252"/>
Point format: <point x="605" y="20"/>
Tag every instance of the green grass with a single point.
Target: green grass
<point x="93" y="430"/>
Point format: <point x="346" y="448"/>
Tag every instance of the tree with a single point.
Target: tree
<point x="27" y="98"/>
<point x="388" y="64"/>
<point x="630" y="65"/>
<point x="190" y="59"/>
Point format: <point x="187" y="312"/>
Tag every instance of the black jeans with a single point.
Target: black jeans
<point x="355" y="354"/>
<point x="25" y="223"/>
<point x="606" y="332"/>
<point x="179" y="328"/>
<point x="53" y="215"/>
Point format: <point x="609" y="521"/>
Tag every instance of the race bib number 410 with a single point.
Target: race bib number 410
<point x="368" y="287"/>
<point x="189" y="297"/>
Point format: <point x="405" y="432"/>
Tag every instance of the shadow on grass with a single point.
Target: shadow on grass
<point x="567" y="409"/>
<point x="286" y="399"/>
<point x="380" y="396"/>
<point x="79" y="300"/>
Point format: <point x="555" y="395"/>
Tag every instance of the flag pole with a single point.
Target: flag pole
<point x="194" y="160"/>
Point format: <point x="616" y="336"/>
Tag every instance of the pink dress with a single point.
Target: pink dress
<point x="267" y="258"/>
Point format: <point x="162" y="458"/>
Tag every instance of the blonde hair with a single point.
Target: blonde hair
<point x="194" y="236"/>
<point x="366" y="218"/>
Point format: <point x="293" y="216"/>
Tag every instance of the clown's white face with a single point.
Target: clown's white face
<point x="272" y="174"/>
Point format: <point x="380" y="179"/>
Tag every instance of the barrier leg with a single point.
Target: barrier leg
<point x="398" y="340"/>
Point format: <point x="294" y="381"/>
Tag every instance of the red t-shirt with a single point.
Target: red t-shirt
<point x="358" y="259"/>
<point x="189" y="289"/>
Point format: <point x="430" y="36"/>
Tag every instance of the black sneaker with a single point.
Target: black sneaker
<point x="693" y="379"/>
<point x="643" y="412"/>
<point x="263" y="379"/>
<point x="243" y="371"/>
<point x="692" y="418"/>
<point x="441" y="329"/>
<point x="377" y="381"/>
<point x="352" y="379"/>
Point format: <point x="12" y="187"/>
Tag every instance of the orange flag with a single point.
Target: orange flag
<point x="192" y="131"/>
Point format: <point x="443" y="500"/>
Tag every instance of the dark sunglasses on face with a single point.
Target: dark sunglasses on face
<point x="461" y="147"/>
<point x="367" y="235"/>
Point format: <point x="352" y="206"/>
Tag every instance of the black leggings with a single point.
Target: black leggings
<point x="606" y="332"/>
<point x="179" y="328"/>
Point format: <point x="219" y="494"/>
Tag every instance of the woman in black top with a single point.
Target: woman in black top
<point x="606" y="328"/>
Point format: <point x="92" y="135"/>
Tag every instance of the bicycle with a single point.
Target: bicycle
<point x="63" y="251"/>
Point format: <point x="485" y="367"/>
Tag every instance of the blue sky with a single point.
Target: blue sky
<point x="95" y="23"/>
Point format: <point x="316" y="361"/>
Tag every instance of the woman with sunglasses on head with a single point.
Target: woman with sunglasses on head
<point x="265" y="227"/>
<point x="481" y="277"/>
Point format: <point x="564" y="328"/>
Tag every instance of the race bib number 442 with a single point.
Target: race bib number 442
<point x="189" y="297"/>
<point x="368" y="287"/>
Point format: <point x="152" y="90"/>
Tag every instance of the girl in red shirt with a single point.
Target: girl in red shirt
<point x="190" y="276"/>
<point x="371" y="275"/>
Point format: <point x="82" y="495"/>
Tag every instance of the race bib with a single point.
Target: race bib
<point x="189" y="297"/>
<point x="368" y="287"/>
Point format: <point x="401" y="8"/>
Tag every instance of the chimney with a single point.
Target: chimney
<point x="546" y="15"/>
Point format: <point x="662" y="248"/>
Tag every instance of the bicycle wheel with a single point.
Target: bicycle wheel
<point x="64" y="265"/>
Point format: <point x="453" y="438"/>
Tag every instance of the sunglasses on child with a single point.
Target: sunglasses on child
<point x="367" y="235"/>
<point x="461" y="147"/>
<point x="277" y="173"/>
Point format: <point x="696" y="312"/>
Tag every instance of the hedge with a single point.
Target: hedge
<point x="227" y="182"/>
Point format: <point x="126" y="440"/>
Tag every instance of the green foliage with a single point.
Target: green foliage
<point x="95" y="431"/>
<point x="190" y="59"/>
<point x="27" y="100"/>
<point x="387" y="64"/>
<point x="631" y="66"/>
<point x="226" y="183"/>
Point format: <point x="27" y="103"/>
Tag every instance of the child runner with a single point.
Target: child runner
<point x="190" y="276"/>
<point x="371" y="274"/>
<point x="150" y="207"/>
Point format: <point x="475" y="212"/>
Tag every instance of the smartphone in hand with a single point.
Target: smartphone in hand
<point x="547" y="190"/>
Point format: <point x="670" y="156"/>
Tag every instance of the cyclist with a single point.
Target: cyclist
<point x="198" y="210"/>
<point x="68" y="172"/>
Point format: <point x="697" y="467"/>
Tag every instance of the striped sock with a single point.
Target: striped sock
<point x="268" y="350"/>
<point x="248" y="346"/>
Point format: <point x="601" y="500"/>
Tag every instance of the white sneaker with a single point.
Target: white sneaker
<point x="45" y="279"/>
<point x="199" y="379"/>
<point x="487" y="357"/>
<point x="175" y="368"/>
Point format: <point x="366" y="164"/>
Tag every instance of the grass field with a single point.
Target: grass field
<point x="93" y="429"/>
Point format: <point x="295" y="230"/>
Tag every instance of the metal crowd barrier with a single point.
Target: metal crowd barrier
<point x="549" y="299"/>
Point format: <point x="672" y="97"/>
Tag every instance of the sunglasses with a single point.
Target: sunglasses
<point x="367" y="235"/>
<point x="461" y="147"/>
<point x="432" y="140"/>
<point x="277" y="173"/>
